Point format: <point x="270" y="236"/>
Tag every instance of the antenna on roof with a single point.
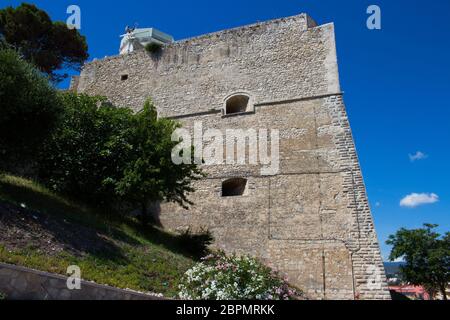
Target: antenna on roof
<point x="129" y="30"/>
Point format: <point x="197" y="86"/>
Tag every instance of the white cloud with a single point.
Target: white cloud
<point x="419" y="155"/>
<point x="416" y="199"/>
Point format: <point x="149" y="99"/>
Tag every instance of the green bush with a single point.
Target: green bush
<point x="196" y="243"/>
<point x="102" y="154"/>
<point x="88" y="150"/>
<point x="150" y="175"/>
<point x="2" y="296"/>
<point x="221" y="277"/>
<point x="29" y="109"/>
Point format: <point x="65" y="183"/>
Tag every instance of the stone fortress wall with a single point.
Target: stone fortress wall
<point x="312" y="220"/>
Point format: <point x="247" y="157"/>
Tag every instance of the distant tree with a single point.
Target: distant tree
<point x="49" y="45"/>
<point x="426" y="254"/>
<point x="150" y="175"/>
<point x="29" y="109"/>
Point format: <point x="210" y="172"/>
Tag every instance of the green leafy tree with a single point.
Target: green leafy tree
<point x="102" y="155"/>
<point x="49" y="45"/>
<point x="426" y="254"/>
<point x="88" y="150"/>
<point x="150" y="175"/>
<point x="29" y="109"/>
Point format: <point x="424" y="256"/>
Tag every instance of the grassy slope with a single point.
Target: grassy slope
<point x="136" y="258"/>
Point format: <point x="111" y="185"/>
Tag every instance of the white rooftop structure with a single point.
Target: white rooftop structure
<point x="138" y="38"/>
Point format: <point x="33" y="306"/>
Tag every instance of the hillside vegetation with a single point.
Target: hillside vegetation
<point x="42" y="230"/>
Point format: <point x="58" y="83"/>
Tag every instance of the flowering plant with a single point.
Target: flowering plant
<point x="222" y="277"/>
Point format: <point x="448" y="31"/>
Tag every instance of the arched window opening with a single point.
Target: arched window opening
<point x="233" y="187"/>
<point x="237" y="104"/>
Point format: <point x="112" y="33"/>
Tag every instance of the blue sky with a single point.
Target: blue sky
<point x="396" y="82"/>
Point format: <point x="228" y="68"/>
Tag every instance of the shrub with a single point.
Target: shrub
<point x="29" y="108"/>
<point x="88" y="150"/>
<point x="101" y="154"/>
<point x="2" y="296"/>
<point x="221" y="277"/>
<point x="195" y="243"/>
<point x="150" y="174"/>
<point x="153" y="47"/>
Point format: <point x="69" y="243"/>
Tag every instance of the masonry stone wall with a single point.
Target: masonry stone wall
<point x="311" y="220"/>
<point x="195" y="75"/>
<point x="20" y="283"/>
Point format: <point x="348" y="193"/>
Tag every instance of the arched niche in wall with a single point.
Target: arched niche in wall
<point x="237" y="103"/>
<point x="234" y="187"/>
